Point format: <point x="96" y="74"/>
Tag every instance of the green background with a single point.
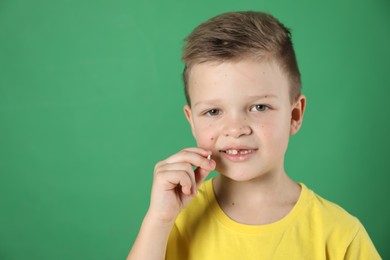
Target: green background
<point x="91" y="98"/>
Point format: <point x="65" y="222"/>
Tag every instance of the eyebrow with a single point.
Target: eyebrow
<point x="213" y="101"/>
<point x="263" y="96"/>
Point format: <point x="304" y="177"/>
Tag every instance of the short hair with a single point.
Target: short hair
<point x="235" y="36"/>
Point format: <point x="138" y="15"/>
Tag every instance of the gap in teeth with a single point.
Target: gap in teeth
<point x="234" y="152"/>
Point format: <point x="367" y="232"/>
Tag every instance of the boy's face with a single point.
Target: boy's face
<point x="242" y="112"/>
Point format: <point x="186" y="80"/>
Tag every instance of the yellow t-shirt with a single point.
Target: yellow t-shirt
<point x="314" y="229"/>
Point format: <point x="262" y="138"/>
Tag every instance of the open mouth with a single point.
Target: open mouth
<point x="237" y="151"/>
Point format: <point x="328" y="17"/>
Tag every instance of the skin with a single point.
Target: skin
<point x="242" y="106"/>
<point x="247" y="104"/>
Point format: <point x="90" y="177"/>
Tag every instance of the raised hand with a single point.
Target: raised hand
<point x="176" y="180"/>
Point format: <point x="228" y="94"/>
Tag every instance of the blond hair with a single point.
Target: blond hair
<point x="235" y="36"/>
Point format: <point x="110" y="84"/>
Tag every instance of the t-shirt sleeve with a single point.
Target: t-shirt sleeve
<point x="361" y="247"/>
<point x="176" y="247"/>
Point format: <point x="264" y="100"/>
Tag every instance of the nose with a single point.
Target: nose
<point x="236" y="127"/>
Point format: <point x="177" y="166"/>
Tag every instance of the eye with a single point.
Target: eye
<point x="213" y="112"/>
<point x="259" y="108"/>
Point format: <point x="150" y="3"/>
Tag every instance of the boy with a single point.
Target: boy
<point x="242" y="85"/>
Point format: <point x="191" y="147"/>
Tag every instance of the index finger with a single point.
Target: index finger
<point x="195" y="156"/>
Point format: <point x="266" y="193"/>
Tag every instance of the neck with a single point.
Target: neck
<point x="246" y="201"/>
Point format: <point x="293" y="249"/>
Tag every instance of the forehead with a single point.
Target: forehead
<point x="237" y="78"/>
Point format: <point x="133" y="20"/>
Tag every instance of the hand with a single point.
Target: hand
<point x="176" y="182"/>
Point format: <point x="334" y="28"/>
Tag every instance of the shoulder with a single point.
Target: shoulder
<point x="341" y="230"/>
<point x="334" y="219"/>
<point x="328" y="206"/>
<point x="327" y="210"/>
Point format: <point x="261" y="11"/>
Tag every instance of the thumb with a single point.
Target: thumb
<point x="202" y="173"/>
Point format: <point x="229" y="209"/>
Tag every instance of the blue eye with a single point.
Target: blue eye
<point x="259" y="108"/>
<point x="213" y="112"/>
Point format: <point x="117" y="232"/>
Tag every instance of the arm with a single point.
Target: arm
<point x="151" y="241"/>
<point x="174" y="184"/>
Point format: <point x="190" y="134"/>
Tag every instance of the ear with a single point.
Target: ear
<point x="297" y="112"/>
<point x="188" y="113"/>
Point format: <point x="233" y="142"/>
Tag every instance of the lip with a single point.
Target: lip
<point x="238" y="157"/>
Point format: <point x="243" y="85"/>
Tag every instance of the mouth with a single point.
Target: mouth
<point x="238" y="154"/>
<point x="237" y="151"/>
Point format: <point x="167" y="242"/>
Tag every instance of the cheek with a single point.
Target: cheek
<point x="206" y="136"/>
<point x="276" y="134"/>
<point x="206" y="141"/>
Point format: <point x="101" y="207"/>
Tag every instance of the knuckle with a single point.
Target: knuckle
<point x="162" y="177"/>
<point x="183" y="151"/>
<point x="158" y="174"/>
<point x="189" y="170"/>
<point x="158" y="165"/>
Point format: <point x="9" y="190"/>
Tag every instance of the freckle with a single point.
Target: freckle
<point x="232" y="203"/>
<point x="212" y="138"/>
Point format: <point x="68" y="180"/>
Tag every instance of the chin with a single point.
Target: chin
<point x="241" y="175"/>
<point x="255" y="169"/>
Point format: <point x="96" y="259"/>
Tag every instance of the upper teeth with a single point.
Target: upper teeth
<point x="238" y="151"/>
